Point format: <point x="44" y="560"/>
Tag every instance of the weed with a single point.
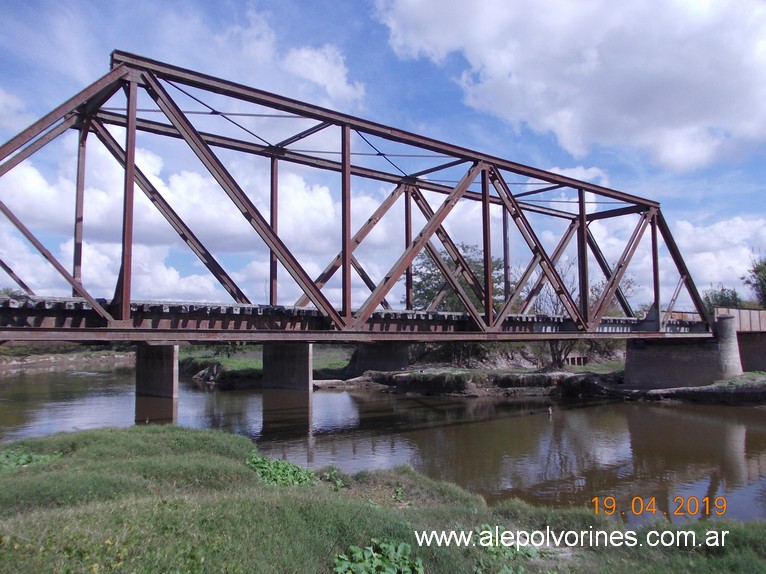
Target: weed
<point x="279" y="472"/>
<point x="381" y="556"/>
<point x="336" y="479"/>
<point x="398" y="495"/>
<point x="13" y="458"/>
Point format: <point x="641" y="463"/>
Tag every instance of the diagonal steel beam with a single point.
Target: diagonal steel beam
<point x="449" y="245"/>
<point x="44" y="123"/>
<point x="39" y="143"/>
<point x="456" y="286"/>
<point x="613" y="282"/>
<point x="358" y="237"/>
<point x="240" y="199"/>
<point x="548" y="266"/>
<point x="16" y="278"/>
<point x="405" y="260"/>
<point x="175" y="221"/>
<point x="304" y="134"/>
<point x="607" y="270"/>
<point x="367" y="279"/>
<point x="527" y="275"/>
<point x="79" y="289"/>
<point x="675" y="253"/>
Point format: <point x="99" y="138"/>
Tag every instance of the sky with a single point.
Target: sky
<point x="662" y="100"/>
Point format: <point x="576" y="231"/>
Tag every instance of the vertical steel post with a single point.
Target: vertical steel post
<point x="123" y="310"/>
<point x="582" y="257"/>
<point x="79" y="202"/>
<point x="345" y="207"/>
<point x="506" y="257"/>
<point x="656" y="271"/>
<point x="274" y="222"/>
<point x="487" y="245"/>
<point x="408" y="295"/>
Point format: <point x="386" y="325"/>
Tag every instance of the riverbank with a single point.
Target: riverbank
<point x="158" y="499"/>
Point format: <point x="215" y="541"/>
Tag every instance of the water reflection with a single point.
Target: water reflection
<point x="498" y="448"/>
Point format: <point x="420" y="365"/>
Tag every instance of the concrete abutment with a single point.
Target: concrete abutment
<point x="679" y="362"/>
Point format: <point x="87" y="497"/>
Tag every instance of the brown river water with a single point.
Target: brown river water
<point x="641" y="461"/>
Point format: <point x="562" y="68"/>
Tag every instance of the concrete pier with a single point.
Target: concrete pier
<point x="288" y="365"/>
<point x="156" y="384"/>
<point x="668" y="363"/>
<point x="380" y="357"/>
<point x="157" y="371"/>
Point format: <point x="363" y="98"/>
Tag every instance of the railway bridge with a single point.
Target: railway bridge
<point x="531" y="220"/>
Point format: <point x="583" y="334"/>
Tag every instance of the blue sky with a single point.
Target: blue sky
<point x="663" y="100"/>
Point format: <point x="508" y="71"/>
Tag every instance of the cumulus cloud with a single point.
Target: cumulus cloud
<point x="684" y="82"/>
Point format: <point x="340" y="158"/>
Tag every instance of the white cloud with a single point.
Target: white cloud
<point x="13" y="115"/>
<point x="326" y="68"/>
<point x="683" y="82"/>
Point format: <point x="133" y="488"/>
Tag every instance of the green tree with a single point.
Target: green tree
<point x="428" y="280"/>
<point x="721" y="297"/>
<point x="756" y="280"/>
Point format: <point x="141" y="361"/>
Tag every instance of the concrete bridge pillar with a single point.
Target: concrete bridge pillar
<point x="668" y="363"/>
<point x="729" y="361"/>
<point x="380" y="357"/>
<point x="157" y="371"/>
<point x="288" y="365"/>
<point x="156" y="383"/>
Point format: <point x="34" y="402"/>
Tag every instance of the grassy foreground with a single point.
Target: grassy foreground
<point x="167" y="499"/>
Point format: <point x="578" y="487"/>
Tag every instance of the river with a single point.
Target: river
<point x="641" y="460"/>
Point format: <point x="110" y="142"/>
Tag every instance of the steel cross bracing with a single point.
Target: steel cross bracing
<point x="415" y="167"/>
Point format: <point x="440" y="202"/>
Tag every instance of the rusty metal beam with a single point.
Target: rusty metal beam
<point x="408" y="278"/>
<point x="487" y="246"/>
<point x="123" y="291"/>
<point x="456" y="286"/>
<point x="274" y="222"/>
<point x="406" y="259"/>
<point x="358" y="237"/>
<point x="234" y="144"/>
<point x="39" y="143"/>
<point x="260" y="97"/>
<point x="175" y="221"/>
<point x="79" y="204"/>
<point x="582" y="257"/>
<point x="530" y="237"/>
<point x="304" y="134"/>
<point x="449" y="246"/>
<point x="43" y="124"/>
<point x="240" y="199"/>
<point x="79" y="289"/>
<point x="16" y="278"/>
<point x="527" y="275"/>
<point x="613" y="282"/>
<point x="607" y="271"/>
<point x="345" y="224"/>
<point x="678" y="259"/>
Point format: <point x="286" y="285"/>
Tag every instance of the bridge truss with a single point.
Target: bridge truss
<point x="144" y="98"/>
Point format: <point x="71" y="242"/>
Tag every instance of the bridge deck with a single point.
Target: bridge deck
<point x="33" y="318"/>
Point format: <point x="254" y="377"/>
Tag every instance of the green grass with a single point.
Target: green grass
<point x="166" y="499"/>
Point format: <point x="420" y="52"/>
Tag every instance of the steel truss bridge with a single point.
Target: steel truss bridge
<point x="412" y="167"/>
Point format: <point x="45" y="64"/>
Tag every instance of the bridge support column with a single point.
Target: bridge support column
<point x="729" y="361"/>
<point x="668" y="363"/>
<point x="288" y="365"/>
<point x="157" y="371"/>
<point x="380" y="357"/>
<point x="156" y="384"/>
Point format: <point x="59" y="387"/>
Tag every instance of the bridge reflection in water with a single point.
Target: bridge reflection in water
<point x="494" y="447"/>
